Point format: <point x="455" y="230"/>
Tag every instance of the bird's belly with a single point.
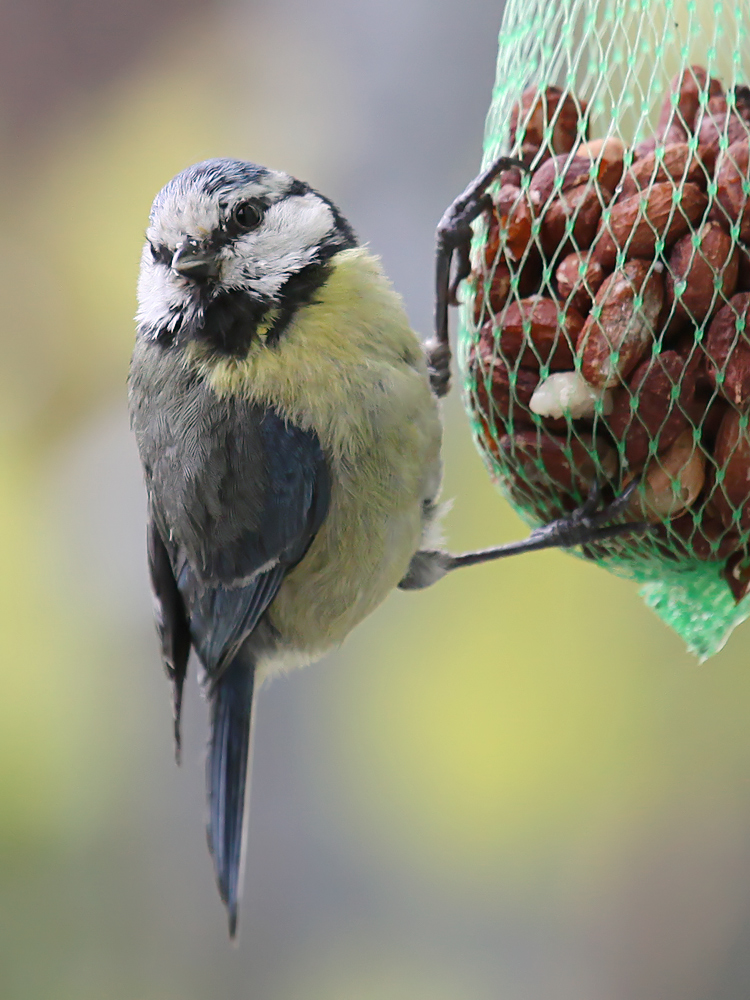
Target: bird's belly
<point x="359" y="555"/>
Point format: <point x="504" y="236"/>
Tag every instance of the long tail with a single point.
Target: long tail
<point x="226" y="774"/>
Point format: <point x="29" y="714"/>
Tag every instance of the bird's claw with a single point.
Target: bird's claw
<point x="454" y="229"/>
<point x="588" y="523"/>
<point x="439" y="367"/>
<point x="453" y="243"/>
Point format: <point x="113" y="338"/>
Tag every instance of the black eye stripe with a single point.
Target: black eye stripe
<point x="243" y="218"/>
<point x="161" y="253"/>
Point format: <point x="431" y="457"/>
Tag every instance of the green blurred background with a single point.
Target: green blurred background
<point x="515" y="785"/>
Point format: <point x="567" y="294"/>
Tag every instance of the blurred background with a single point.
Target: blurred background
<point x="515" y="785"/>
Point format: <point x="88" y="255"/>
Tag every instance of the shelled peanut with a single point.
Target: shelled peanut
<point x="614" y="317"/>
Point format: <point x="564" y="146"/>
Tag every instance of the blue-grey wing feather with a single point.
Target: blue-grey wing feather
<point x="236" y="496"/>
<point x="223" y="623"/>
<point x="172" y="625"/>
<point x="296" y="498"/>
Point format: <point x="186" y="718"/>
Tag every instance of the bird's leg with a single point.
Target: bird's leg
<point x="586" y="524"/>
<point x="454" y="236"/>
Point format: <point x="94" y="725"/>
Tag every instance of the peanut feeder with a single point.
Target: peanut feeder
<point x="606" y="328"/>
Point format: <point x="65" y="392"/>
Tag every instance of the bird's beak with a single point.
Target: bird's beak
<point x="195" y="260"/>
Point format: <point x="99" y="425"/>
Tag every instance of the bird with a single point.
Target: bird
<point x="288" y="423"/>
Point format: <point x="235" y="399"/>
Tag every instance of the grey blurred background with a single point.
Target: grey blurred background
<point x="516" y="785"/>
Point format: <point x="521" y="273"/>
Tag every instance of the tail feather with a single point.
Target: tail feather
<point x="226" y="773"/>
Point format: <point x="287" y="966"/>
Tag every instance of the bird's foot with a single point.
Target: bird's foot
<point x="591" y="522"/>
<point x="585" y="525"/>
<point x="439" y="366"/>
<point x="454" y="237"/>
<point x="454" y="229"/>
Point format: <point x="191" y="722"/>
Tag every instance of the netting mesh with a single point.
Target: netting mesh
<point x="605" y="333"/>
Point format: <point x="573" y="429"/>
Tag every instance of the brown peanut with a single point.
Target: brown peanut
<point x="677" y="121"/>
<point x="514" y="221"/>
<point x="540" y="331"/>
<point x="718" y="122"/>
<point x="578" y="280"/>
<point x="706" y="273"/>
<point x="556" y="176"/>
<point x="501" y="393"/>
<point x="608" y="155"/>
<point x="732" y="177"/>
<point x="674" y="163"/>
<point x="542" y="462"/>
<point x="576" y="211"/>
<point x="727" y="348"/>
<point x="498" y="293"/>
<point x="538" y="112"/>
<point x="707" y="539"/>
<point x="636" y="223"/>
<point x="657" y="416"/>
<point x="617" y="333"/>
<point x="672" y="481"/>
<point x="731" y="496"/>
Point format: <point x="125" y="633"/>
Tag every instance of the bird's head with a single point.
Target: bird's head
<point x="233" y="249"/>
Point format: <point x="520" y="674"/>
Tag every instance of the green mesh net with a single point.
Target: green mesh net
<point x="605" y="333"/>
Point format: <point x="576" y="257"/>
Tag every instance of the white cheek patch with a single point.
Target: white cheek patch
<point x="294" y="225"/>
<point x="288" y="239"/>
<point x="161" y="302"/>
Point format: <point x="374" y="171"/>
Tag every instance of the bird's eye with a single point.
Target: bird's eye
<point x="246" y="215"/>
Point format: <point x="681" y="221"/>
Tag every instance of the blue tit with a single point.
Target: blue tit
<point x="288" y="426"/>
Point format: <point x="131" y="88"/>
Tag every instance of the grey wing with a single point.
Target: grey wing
<point x="227" y="595"/>
<point x="215" y="568"/>
<point x="236" y="497"/>
<point x="235" y="494"/>
<point x="172" y="624"/>
<point x="222" y="606"/>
